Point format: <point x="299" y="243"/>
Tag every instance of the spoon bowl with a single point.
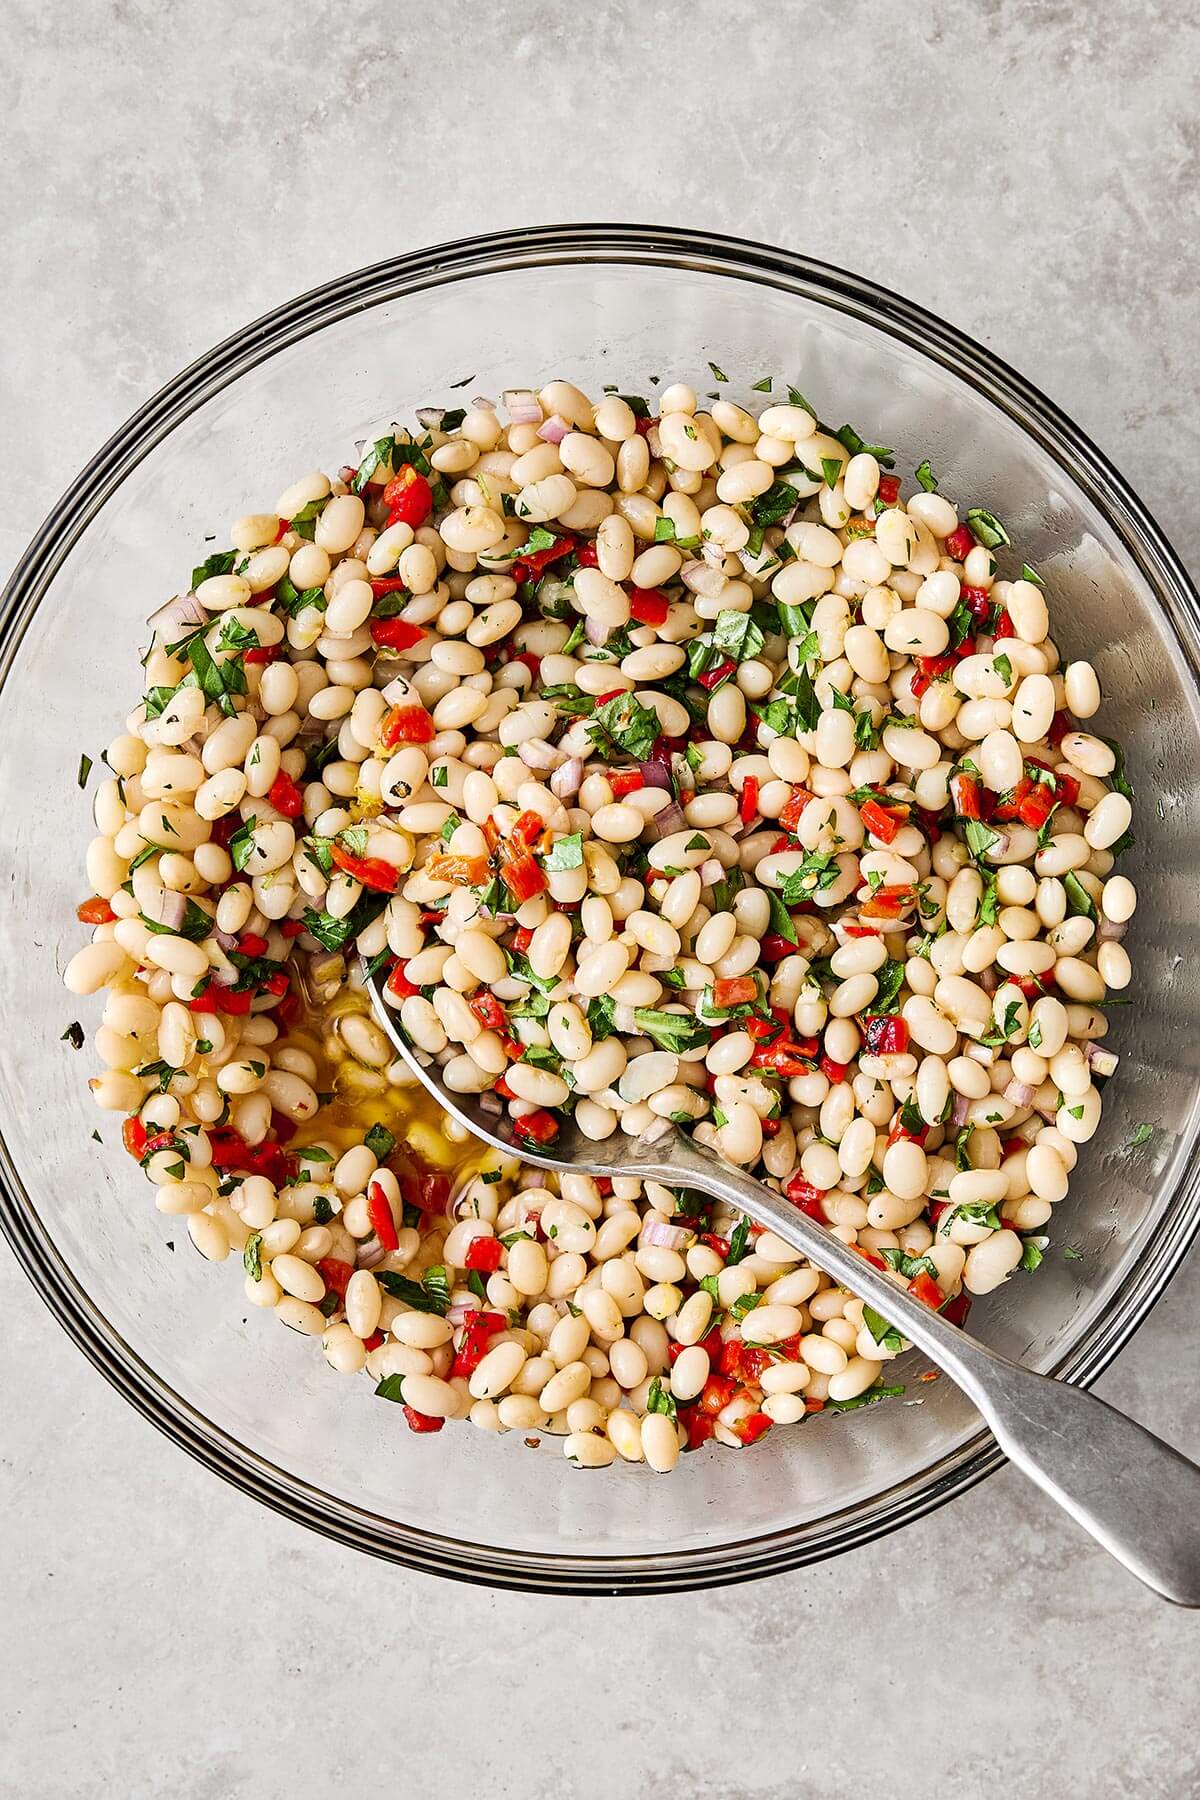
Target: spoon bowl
<point x="1137" y="1496"/>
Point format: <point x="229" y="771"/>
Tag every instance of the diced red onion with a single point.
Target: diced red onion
<point x="958" y="1112"/>
<point x="1020" y="1093"/>
<point x="226" y="939"/>
<point x="225" y="975"/>
<point x="714" y="555"/>
<point x="981" y="1053"/>
<point x="370" y="1253"/>
<point x="524" y="408"/>
<point x="482" y="402"/>
<point x="1100" y="1061"/>
<point x="595" y="631"/>
<point x="184" y="609"/>
<point x="1001" y="844"/>
<point x="491" y="1103"/>
<point x="536" y="753"/>
<point x="1111" y="931"/>
<point x="664" y="1236"/>
<point x="567" y="778"/>
<point x="790" y="514"/>
<point x="700" y="579"/>
<point x="655" y="965"/>
<point x="553" y="430"/>
<point x="459" y="1314"/>
<point x="167" y="909"/>
<point x="656" y="774"/>
<point x="665" y="822"/>
<point x="712" y="871"/>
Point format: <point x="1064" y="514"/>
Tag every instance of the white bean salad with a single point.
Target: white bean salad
<point x="678" y="767"/>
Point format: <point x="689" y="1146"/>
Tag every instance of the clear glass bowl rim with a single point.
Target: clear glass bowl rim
<point x="496" y="253"/>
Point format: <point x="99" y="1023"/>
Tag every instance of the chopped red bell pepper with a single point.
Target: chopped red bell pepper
<point x="488" y="1010"/>
<point x="478" y="1327"/>
<point x="648" y="606"/>
<point x="484" y="1253"/>
<point x="719" y="1244"/>
<point x="527" y="568"/>
<point x="786" y="1058"/>
<point x="960" y="544"/>
<point x="833" y="1071"/>
<point x="334" y="1273"/>
<point x="808" y="1198"/>
<point x="752" y="1427"/>
<point x="932" y="668"/>
<point x="1066" y="789"/>
<point x="888" y="902"/>
<point x="460" y="871"/>
<point x="426" y="1189"/>
<point x="774" y="947"/>
<point x="407" y="725"/>
<point x="1060" y="724"/>
<point x="540" y="1127"/>
<point x="1037" y="803"/>
<point x="286" y="796"/>
<point x="956" y="1310"/>
<point x="408" y="498"/>
<point x="1004" y="627"/>
<point x="528" y="828"/>
<point x="748" y="805"/>
<point x="230" y="1151"/>
<point x="95" y="911"/>
<point x="522" y="938"/>
<point x="625" y="781"/>
<point x="252" y="944"/>
<point x="523" y="876"/>
<point x="419" y="1421"/>
<point x="698" y="1424"/>
<point x="719" y="1390"/>
<point x="789" y="818"/>
<point x="135" y="1137"/>
<point x="398" y="984"/>
<point x="889" y="489"/>
<point x="768" y="1031"/>
<point x="735" y="990"/>
<point x="977" y="602"/>
<point x="712" y="678"/>
<point x="371" y="871"/>
<point x="374" y="1341"/>
<point x="879" y="821"/>
<point x="395" y="634"/>
<point x="587" y="556"/>
<point x="966" y="795"/>
<point x="885" y="1034"/>
<point x="379" y="1212"/>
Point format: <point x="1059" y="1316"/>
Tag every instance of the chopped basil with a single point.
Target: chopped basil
<point x="927" y="478"/>
<point x="391" y="1388"/>
<point x="736" y="634"/>
<point x="322" y="1210"/>
<point x="738" y="1243"/>
<point x="1071" y="1254"/>
<point x="796" y="398"/>
<point x="218" y="682"/>
<point x="196" y="926"/>
<point x="880" y="1329"/>
<point x="295" y="601"/>
<point x="831" y="469"/>
<point x="1079" y="901"/>
<point x="1028" y="574"/>
<point x="679" y="1032"/>
<point x="745" y="1303"/>
<point x="718" y="375"/>
<point x="1141" y="1136"/>
<point x="565" y="853"/>
<point x="624" y="724"/>
<point x="252" y="1257"/>
<point x="475" y="1283"/>
<point x="987" y="528"/>
<point x="157" y="701"/>
<point x="220" y="563"/>
<point x="763" y="386"/>
<point x="1031" y="1255"/>
<point x="334" y="934"/>
<point x="868" y="1399"/>
<point x="980" y="838"/>
<point x="1003" y="668"/>
<point x="659" y="1399"/>
<point x="781" y="919"/>
<point x="85" y="769"/>
<point x="241" y="844"/>
<point x="850" y="440"/>
<point x="430" y="1295"/>
<point x="891" y="979"/>
<point x="1118" y="778"/>
<point x="73" y="1035"/>
<point x="818" y="871"/>
<point x="439" y="776"/>
<point x="380" y="1141"/>
<point x="521" y="969"/>
<point x="772" y="507"/>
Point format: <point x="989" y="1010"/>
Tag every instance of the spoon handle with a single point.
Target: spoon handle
<point x="1139" y="1498"/>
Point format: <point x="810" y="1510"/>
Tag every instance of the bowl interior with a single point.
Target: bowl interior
<point x="296" y="394"/>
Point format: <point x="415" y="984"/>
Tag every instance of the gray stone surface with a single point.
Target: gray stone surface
<point x="1026" y="167"/>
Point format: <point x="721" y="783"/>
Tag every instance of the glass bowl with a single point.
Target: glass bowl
<point x="294" y="391"/>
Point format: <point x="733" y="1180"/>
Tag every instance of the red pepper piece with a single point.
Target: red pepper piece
<point x="889" y="489"/>
<point x="236" y="1004"/>
<point x="625" y="781"/>
<point x="522" y="875"/>
<point x="488" y="1010"/>
<point x="371" y="871"/>
<point x="1066" y="789"/>
<point x="748" y="805"/>
<point x="786" y="1059"/>
<point x="398" y="984"/>
<point x="720" y="672"/>
<point x="956" y="1310"/>
<point x="774" y="947"/>
<point x="460" y="871"/>
<point x="135" y="1137"/>
<point x="95" y="912"/>
<point x="966" y="796"/>
<point x="719" y="1390"/>
<point x="587" y="556"/>
<point x="1004" y="627"/>
<point x="833" y="1071"/>
<point x="379" y="1212"/>
<point x="879" y="821"/>
<point x="395" y="634"/>
<point x="291" y="928"/>
<point x="1037" y="803"/>
<point x="645" y="426"/>
<point x="419" y="1421"/>
<point x="885" y="1035"/>
<point x="408" y="498"/>
<point x="528" y="828"/>
<point x="374" y="1341"/>
<point x="752" y="1427"/>
<point x="809" y="1199"/>
<point x="789" y="818"/>
<point x="407" y="725"/>
<point x="648" y="606"/>
<point x="960" y="543"/>
<point x="334" y="1273"/>
<point x="699" y="1425"/>
<point x="251" y="944"/>
<point x="734" y="990"/>
<point x="719" y="1244"/>
<point x="528" y="568"/>
<point x="522" y="938"/>
<point x="540" y="1127"/>
<point x="484" y="1253"/>
<point x="977" y="602"/>
<point x="262" y="654"/>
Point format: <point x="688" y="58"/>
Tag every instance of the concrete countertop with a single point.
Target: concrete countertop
<point x="1024" y="167"/>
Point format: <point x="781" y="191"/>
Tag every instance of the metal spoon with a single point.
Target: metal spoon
<point x="1137" y="1496"/>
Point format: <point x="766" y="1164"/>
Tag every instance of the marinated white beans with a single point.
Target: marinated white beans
<point x="678" y="771"/>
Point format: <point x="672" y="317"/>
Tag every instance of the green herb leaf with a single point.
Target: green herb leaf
<point x="73" y="1035"/>
<point x="391" y="1388"/>
<point x="737" y="636"/>
<point x="987" y="528"/>
<point x="220" y="563"/>
<point x="565" y="853"/>
<point x="241" y="844"/>
<point x="979" y="838"/>
<point x="624" y="724"/>
<point x="659" y="1399"/>
<point x="1141" y="1136"/>
<point x="868" y="1399"/>
<point x="718" y="375"/>
<point x="431" y="1294"/>
<point x="927" y="478"/>
<point x="882" y="1330"/>
<point x="1079" y="901"/>
<point x="849" y="439"/>
<point x="679" y="1032"/>
<point x="773" y="506"/>
<point x="252" y="1257"/>
<point x="380" y="1141"/>
<point x="1031" y="1255"/>
<point x="738" y="1243"/>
